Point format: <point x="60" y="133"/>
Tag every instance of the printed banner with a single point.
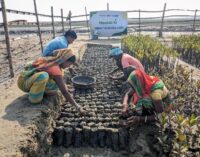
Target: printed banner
<point x="108" y="23"/>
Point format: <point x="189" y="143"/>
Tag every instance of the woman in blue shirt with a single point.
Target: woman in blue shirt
<point x="60" y="42"/>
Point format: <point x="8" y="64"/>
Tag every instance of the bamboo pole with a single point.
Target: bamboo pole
<point x="69" y="18"/>
<point x="63" y="28"/>
<point x="53" y="26"/>
<point x="162" y="23"/>
<point x="139" y="20"/>
<point x="87" y="22"/>
<point x="5" y="24"/>
<point x="108" y="10"/>
<point x="108" y="6"/>
<point x="38" y="24"/>
<point x="194" y="22"/>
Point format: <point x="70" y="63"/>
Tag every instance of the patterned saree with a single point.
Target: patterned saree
<point x="36" y="79"/>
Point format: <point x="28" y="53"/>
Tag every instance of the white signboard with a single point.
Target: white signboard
<point x="108" y="23"/>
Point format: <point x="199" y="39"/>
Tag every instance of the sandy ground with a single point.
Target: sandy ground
<point x="17" y="116"/>
<point x="11" y="128"/>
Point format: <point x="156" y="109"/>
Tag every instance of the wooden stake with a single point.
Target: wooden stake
<point x="63" y="28"/>
<point x="7" y="37"/>
<point x="108" y="10"/>
<point x="87" y="22"/>
<point x="38" y="24"/>
<point x="107" y="6"/>
<point x="69" y="18"/>
<point x="194" y="22"/>
<point x="139" y="21"/>
<point x="162" y="23"/>
<point x="53" y="27"/>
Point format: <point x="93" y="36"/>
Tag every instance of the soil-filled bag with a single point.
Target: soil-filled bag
<point x="68" y="137"/>
<point x="58" y="135"/>
<point x="78" y="137"/>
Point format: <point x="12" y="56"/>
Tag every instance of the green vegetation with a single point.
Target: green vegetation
<point x="189" y="48"/>
<point x="180" y="129"/>
<point x="148" y="50"/>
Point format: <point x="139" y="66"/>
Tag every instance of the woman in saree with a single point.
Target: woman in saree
<point x="150" y="96"/>
<point x="45" y="76"/>
<point x="123" y="61"/>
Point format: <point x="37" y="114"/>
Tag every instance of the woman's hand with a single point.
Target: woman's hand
<point x="110" y="77"/>
<point x="72" y="72"/>
<point x="82" y="111"/>
<point x="133" y="120"/>
<point x="61" y="84"/>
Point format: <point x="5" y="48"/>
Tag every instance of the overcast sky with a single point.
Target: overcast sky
<point x="78" y="6"/>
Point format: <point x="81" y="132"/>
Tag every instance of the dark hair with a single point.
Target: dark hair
<point x="118" y="59"/>
<point x="72" y="59"/>
<point x="70" y="33"/>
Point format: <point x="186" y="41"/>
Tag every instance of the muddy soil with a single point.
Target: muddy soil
<point x="101" y="127"/>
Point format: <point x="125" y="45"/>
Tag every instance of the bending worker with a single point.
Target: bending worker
<point x="123" y="61"/>
<point x="60" y="42"/>
<point x="150" y="96"/>
<point x="45" y="76"/>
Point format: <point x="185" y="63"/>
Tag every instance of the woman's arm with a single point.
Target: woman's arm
<point x="144" y="119"/>
<point x="158" y="105"/>
<point x="125" y="75"/>
<point x="115" y="70"/>
<point x="121" y="77"/>
<point x="126" y="100"/>
<point x="158" y="109"/>
<point x="61" y="85"/>
<point x="72" y="72"/>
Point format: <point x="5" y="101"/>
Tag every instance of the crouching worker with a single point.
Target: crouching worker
<point x="45" y="76"/>
<point x="149" y="95"/>
<point x="123" y="61"/>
